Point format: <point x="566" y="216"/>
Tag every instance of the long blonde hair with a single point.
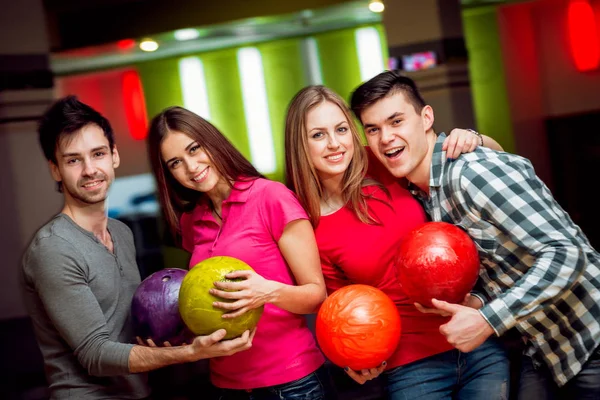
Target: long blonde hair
<point x="301" y="175"/>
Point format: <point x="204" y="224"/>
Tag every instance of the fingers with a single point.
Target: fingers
<point x="151" y="343"/>
<point x="234" y="306"/>
<point x="427" y="310"/>
<point x="140" y="341"/>
<point x="357" y="377"/>
<point x="216" y="336"/>
<point x="235" y="295"/>
<point x="234" y="314"/>
<point x="167" y="344"/>
<point x="445" y="306"/>
<point x="230" y="286"/>
<point x="246" y="274"/>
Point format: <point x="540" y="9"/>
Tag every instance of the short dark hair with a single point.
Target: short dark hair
<point x="66" y="116"/>
<point x="383" y="85"/>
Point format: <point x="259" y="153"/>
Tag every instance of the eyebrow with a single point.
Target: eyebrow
<point x="66" y="155"/>
<point x="391" y="117"/>
<point x="186" y="149"/>
<point x="322" y="128"/>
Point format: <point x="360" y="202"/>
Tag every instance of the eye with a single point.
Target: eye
<point x="99" y="154"/>
<point x="396" y="121"/>
<point x="72" y="160"/>
<point x="174" y="164"/>
<point x="194" y="148"/>
<point x="317" y="135"/>
<point x="343" y="129"/>
<point x="372" y="131"/>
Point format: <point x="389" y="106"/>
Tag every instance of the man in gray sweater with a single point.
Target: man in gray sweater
<point x="80" y="274"/>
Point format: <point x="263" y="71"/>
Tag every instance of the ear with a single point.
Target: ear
<point x="428" y="117"/>
<point x="54" y="171"/>
<point x="115" y="156"/>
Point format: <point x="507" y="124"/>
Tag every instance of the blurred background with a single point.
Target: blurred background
<point x="526" y="73"/>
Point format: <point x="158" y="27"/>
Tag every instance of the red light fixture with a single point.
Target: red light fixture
<point x="126" y="44"/>
<point x="135" y="105"/>
<point x="583" y="35"/>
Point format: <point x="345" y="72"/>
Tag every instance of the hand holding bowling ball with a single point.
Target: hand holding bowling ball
<point x="358" y="326"/>
<point x="437" y="261"/>
<point x="155" y="308"/>
<point x="242" y="291"/>
<point x="196" y="301"/>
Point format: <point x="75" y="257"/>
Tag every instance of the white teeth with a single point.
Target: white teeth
<point x="335" y="157"/>
<point x="201" y="176"/>
<point x="392" y="151"/>
<point x="91" y="184"/>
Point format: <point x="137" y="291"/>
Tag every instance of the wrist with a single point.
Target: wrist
<point x="478" y="135"/>
<point x="274" y="292"/>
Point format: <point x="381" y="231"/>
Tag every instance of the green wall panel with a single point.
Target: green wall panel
<point x="339" y="61"/>
<point x="161" y="83"/>
<point x="225" y="96"/>
<point x="284" y="77"/>
<point x="488" y="84"/>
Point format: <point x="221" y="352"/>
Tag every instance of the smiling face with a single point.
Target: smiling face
<point x="396" y="133"/>
<point x="329" y="139"/>
<point x="85" y="165"/>
<point x="189" y="164"/>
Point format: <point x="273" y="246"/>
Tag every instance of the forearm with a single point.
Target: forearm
<point x="143" y="359"/>
<point x="303" y="299"/>
<point x="491" y="143"/>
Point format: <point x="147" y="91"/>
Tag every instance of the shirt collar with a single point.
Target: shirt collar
<point x="438" y="160"/>
<point x="239" y="194"/>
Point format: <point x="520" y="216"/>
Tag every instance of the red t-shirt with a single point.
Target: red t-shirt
<point x="354" y="252"/>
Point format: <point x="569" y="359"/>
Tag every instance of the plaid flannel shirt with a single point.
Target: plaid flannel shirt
<point x="539" y="271"/>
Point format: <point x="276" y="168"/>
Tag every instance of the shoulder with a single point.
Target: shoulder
<point x="52" y="243"/>
<point x="120" y="227"/>
<point x="483" y="166"/>
<point x="266" y="186"/>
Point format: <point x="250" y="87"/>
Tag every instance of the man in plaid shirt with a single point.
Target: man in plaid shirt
<point x="540" y="274"/>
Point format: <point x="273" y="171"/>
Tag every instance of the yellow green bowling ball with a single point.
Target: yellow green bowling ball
<point x="195" y="303"/>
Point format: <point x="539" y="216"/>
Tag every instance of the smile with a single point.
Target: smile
<point x="394" y="152"/>
<point x="92" y="185"/>
<point x="200" y="177"/>
<point x="334" y="157"/>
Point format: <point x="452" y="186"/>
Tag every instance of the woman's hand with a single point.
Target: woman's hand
<point x="252" y="292"/>
<point x="460" y="141"/>
<point x="366" y="374"/>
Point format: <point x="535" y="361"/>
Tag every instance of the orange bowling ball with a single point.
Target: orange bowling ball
<point x="358" y="326"/>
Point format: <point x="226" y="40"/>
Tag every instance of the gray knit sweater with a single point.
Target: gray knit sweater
<point x="78" y="295"/>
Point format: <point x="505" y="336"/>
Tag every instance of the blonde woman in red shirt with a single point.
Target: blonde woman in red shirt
<point x="359" y="224"/>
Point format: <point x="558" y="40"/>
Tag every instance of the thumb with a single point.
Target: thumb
<point x="445" y="306"/>
<point x="213" y="338"/>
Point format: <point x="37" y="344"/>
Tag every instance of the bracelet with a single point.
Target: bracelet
<point x="478" y="134"/>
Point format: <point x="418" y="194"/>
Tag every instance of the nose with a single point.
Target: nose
<point x="90" y="168"/>
<point x="191" y="166"/>
<point x="332" y="142"/>
<point x="387" y="136"/>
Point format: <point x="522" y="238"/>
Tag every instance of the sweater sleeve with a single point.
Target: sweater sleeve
<point x="61" y="282"/>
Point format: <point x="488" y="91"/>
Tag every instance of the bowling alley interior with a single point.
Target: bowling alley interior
<point x="526" y="73"/>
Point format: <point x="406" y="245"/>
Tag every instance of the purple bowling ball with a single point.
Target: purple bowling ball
<point x="155" y="308"/>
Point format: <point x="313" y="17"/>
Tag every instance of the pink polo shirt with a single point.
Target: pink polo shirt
<point x="254" y="217"/>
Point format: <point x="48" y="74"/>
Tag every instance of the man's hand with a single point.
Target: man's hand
<point x="469" y="301"/>
<point x="467" y="329"/>
<point x="366" y="374"/>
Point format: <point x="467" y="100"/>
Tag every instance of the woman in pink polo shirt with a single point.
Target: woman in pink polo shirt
<point x="359" y="224"/>
<point x="221" y="205"/>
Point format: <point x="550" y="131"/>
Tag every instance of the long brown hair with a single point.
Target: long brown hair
<point x="227" y="160"/>
<point x="301" y="175"/>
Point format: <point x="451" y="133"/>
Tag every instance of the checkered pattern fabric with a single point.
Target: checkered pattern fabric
<point x="539" y="271"/>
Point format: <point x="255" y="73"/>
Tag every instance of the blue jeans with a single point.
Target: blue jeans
<point x="536" y="381"/>
<point x="314" y="386"/>
<point x="480" y="374"/>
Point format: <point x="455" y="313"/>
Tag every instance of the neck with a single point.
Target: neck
<point x="220" y="192"/>
<point x="421" y="174"/>
<point x="332" y="199"/>
<point x="91" y="217"/>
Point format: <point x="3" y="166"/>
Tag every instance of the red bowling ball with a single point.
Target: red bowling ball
<point x="437" y="261"/>
<point x="358" y="326"/>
